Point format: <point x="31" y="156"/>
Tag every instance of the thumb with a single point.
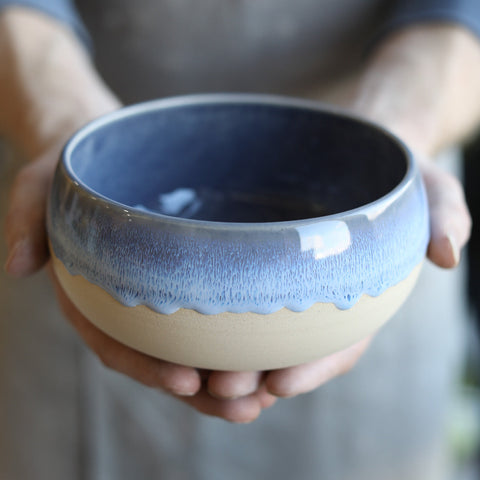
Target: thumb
<point x="450" y="221"/>
<point x="25" y="222"/>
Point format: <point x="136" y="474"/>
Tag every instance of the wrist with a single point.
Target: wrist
<point x="49" y="87"/>
<point x="423" y="84"/>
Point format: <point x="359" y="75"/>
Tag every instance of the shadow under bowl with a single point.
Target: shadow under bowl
<point x="236" y="232"/>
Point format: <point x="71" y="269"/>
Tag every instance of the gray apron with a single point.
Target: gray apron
<point x="64" y="416"/>
<point x="152" y="48"/>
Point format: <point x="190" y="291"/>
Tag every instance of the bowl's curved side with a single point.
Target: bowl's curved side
<point x="167" y="265"/>
<point x="230" y="341"/>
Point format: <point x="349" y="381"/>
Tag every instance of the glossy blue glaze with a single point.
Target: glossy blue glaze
<point x="290" y="205"/>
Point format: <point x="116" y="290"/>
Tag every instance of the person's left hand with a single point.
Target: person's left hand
<point x="450" y="229"/>
<point x="419" y="111"/>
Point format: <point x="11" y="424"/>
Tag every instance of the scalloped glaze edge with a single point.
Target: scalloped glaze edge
<point x="229" y="341"/>
<point x="168" y="266"/>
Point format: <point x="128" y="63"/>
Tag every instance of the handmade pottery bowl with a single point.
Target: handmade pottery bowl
<point x="236" y="232"/>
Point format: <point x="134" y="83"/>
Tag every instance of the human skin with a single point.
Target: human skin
<point x="421" y="82"/>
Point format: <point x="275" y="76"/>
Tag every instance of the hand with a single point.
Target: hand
<point x="405" y="88"/>
<point x="450" y="225"/>
<point x="27" y="244"/>
<point x="450" y="221"/>
<point x="187" y="384"/>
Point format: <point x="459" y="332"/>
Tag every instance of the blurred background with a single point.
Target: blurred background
<point x="465" y="420"/>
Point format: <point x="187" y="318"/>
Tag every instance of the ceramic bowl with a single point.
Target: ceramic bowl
<point x="237" y="232"/>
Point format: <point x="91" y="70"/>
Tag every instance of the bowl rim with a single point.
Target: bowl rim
<point x="372" y="208"/>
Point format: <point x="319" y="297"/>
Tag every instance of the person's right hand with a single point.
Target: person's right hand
<point x="240" y="397"/>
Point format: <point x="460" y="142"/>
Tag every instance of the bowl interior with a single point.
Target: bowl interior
<point x="238" y="162"/>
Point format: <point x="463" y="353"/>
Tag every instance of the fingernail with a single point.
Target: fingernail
<point x="180" y="393"/>
<point x="243" y="422"/>
<point x="12" y="259"/>
<point x="26" y="257"/>
<point x="454" y="248"/>
<point x="181" y="390"/>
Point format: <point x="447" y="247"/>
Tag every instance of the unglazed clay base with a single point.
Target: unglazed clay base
<point x="231" y="341"/>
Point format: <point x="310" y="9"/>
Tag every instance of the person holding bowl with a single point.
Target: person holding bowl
<point x="420" y="79"/>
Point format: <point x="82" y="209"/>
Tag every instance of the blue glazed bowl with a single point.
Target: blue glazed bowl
<point x="237" y="232"/>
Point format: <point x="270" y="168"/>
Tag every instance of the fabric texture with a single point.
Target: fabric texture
<point x="466" y="12"/>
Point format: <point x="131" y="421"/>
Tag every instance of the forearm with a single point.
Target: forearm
<point x="48" y="86"/>
<point x="423" y="82"/>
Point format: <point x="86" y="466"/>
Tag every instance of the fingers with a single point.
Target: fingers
<point x="450" y="221"/>
<point x="230" y="385"/>
<point x="289" y="382"/>
<point x="176" y="379"/>
<point x="237" y="397"/>
<point x="183" y="382"/>
<point x="266" y="398"/>
<point x="25" y="222"/>
<point x="242" y="410"/>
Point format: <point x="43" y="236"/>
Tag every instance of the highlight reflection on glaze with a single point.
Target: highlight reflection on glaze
<point x="330" y="237"/>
